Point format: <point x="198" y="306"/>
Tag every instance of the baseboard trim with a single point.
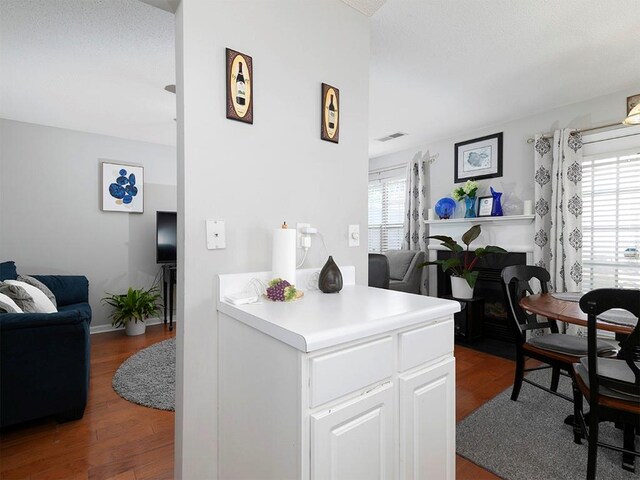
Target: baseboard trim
<point x="110" y="328"/>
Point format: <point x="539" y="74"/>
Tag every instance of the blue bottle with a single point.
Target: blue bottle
<point x="496" y="210"/>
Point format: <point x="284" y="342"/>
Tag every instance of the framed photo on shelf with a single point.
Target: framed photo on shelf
<point x="330" y="128"/>
<point x="239" y="86"/>
<point x="478" y="158"/>
<point x="485" y="206"/>
<point x="122" y="188"/>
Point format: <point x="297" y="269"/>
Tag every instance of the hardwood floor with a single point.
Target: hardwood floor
<point x="479" y="378"/>
<point x="115" y="439"/>
<point x="119" y="440"/>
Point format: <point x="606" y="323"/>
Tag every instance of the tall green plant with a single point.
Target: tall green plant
<point x="461" y="264"/>
<point x="136" y="305"/>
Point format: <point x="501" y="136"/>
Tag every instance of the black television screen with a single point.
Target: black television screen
<point x="166" y="237"/>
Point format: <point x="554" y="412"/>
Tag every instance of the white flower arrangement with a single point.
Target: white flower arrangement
<point x="469" y="189"/>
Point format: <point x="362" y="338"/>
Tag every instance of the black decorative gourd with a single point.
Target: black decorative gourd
<point x="330" y="280"/>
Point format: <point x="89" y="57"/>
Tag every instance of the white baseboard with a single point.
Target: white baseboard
<point x="111" y="328"/>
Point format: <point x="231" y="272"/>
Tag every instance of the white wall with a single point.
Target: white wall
<point x="256" y="176"/>
<point x="517" y="180"/>
<point x="50" y="216"/>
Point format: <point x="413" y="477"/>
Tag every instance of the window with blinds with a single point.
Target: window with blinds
<point x="386" y="213"/>
<point x="611" y="220"/>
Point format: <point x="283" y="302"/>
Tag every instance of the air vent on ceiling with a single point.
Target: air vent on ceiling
<point x="391" y="137"/>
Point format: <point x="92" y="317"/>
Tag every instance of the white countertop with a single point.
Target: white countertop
<point x="321" y="320"/>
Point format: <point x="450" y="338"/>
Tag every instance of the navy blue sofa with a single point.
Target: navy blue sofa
<point x="44" y="357"/>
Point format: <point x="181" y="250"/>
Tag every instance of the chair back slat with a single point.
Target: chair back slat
<point x="516" y="284"/>
<point x="599" y="301"/>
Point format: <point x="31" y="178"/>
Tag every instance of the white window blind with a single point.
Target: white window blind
<point x="386" y="213"/>
<point x="611" y="220"/>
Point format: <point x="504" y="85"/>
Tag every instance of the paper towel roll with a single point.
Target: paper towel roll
<point x="283" y="257"/>
<point x="528" y="207"/>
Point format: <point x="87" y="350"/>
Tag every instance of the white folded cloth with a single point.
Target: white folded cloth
<point x="618" y="316"/>
<point x="567" y="296"/>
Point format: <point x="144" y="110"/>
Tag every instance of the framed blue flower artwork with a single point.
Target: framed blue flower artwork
<point x="122" y="188"/>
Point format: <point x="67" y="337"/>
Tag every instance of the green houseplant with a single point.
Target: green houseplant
<point x="460" y="266"/>
<point x="131" y="309"/>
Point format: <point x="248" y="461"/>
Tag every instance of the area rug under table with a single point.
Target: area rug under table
<point x="528" y="440"/>
<point x="149" y="377"/>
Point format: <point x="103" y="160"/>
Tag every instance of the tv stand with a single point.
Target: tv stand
<point x="169" y="275"/>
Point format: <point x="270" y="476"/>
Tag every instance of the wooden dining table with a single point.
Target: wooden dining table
<point x="547" y="305"/>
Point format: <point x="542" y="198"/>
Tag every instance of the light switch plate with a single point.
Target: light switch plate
<point x="354" y="235"/>
<point x="216" y="235"/>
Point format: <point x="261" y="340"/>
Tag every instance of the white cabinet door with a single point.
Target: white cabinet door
<point x="354" y="440"/>
<point x="427" y="423"/>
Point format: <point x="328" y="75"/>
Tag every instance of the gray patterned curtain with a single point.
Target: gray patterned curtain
<point x="558" y="208"/>
<point x="416" y="206"/>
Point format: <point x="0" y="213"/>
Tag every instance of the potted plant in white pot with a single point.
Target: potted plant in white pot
<point x="133" y="308"/>
<point x="460" y="266"/>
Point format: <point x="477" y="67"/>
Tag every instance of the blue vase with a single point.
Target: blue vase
<point x="470" y="207"/>
<point x="496" y="209"/>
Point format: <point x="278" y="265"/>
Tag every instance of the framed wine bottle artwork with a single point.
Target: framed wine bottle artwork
<point x="330" y="128"/>
<point x="239" y="86"/>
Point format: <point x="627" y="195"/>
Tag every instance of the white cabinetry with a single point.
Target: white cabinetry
<point x="427" y="422"/>
<point x="343" y="413"/>
<point x="354" y="440"/>
<point x="366" y="392"/>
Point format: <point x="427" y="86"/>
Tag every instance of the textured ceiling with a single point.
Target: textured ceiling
<point x="91" y="65"/>
<point x="442" y="67"/>
<point x="367" y="7"/>
<point x="167" y="5"/>
<point x="437" y="67"/>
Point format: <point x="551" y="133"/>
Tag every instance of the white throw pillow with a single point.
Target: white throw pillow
<point x="8" y="301"/>
<point x="43" y="304"/>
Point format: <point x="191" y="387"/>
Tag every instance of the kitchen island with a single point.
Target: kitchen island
<point x="354" y="385"/>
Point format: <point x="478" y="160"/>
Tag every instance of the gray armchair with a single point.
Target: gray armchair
<point x="404" y="272"/>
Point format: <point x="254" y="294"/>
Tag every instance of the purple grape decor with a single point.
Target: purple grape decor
<point x="280" y="290"/>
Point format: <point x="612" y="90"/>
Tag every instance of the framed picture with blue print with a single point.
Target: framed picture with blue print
<point x="122" y="188"/>
<point x="478" y="158"/>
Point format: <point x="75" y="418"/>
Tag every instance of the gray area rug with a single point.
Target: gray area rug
<point x="149" y="377"/>
<point x="528" y="439"/>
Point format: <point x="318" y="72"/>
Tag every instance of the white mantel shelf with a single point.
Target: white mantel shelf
<point x="510" y="219"/>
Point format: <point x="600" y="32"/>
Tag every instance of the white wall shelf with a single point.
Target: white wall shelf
<point x="510" y="219"/>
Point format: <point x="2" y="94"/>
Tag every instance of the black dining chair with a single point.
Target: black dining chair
<point x="378" y="271"/>
<point x="610" y="385"/>
<point x="556" y="350"/>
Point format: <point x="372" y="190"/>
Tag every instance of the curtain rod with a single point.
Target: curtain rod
<point x="388" y="169"/>
<point x="581" y="130"/>
<point x="432" y="158"/>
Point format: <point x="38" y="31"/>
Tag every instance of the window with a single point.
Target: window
<point x="611" y="220"/>
<point x="386" y="210"/>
